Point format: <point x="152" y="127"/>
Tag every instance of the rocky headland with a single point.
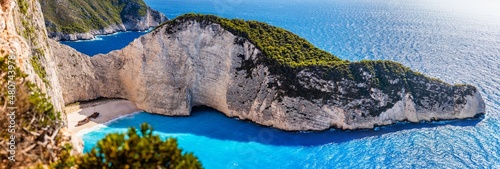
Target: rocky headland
<point x="233" y="66"/>
<point x="245" y="69"/>
<point x="84" y="19"/>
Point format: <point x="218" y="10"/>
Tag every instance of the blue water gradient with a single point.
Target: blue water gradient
<point x="457" y="41"/>
<point x="222" y="142"/>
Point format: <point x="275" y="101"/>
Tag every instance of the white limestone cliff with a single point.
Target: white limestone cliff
<point x="199" y="64"/>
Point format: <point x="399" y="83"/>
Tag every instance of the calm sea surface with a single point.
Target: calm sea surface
<point x="457" y="41"/>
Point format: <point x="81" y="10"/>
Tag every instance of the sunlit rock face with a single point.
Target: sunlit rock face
<point x="169" y="71"/>
<point x="23" y="36"/>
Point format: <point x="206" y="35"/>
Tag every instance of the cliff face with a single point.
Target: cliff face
<point x="193" y="63"/>
<point x="36" y="125"/>
<point x="83" y="19"/>
<point x="23" y="35"/>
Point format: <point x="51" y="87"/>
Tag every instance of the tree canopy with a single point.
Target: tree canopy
<point x="137" y="150"/>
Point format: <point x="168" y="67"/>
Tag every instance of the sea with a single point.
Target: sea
<point x="457" y="41"/>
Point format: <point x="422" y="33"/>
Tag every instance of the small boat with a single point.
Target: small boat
<point x="82" y="122"/>
<point x="87" y="119"/>
<point x="94" y="115"/>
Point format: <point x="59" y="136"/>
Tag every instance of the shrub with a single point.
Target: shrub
<point x="137" y="150"/>
<point x="276" y="43"/>
<point x="37" y="121"/>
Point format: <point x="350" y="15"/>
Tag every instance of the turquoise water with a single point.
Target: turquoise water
<point x="457" y="41"/>
<point x="221" y="142"/>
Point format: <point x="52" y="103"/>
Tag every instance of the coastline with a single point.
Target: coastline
<point x="129" y="22"/>
<point x="109" y="109"/>
<point x="91" y="35"/>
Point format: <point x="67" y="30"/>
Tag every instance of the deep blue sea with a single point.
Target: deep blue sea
<point x="457" y="41"/>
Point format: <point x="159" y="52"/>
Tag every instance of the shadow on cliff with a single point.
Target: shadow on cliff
<point x="210" y="123"/>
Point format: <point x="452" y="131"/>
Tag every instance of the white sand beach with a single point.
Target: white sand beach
<point x="108" y="109"/>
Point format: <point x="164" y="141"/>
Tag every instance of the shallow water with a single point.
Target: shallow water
<point x="457" y="41"/>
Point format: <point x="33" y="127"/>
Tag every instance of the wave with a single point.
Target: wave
<point x="105" y="124"/>
<point x="96" y="38"/>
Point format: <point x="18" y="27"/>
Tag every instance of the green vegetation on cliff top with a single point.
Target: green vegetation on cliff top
<point x="283" y="48"/>
<point x="276" y="43"/>
<point x="286" y="54"/>
<point x="78" y="16"/>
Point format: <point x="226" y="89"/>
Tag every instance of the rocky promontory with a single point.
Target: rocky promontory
<point x="257" y="72"/>
<point x="245" y="69"/>
<point x="83" y="19"/>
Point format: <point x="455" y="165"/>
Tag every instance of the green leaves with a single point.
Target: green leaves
<point x="286" y="54"/>
<point x="276" y="43"/>
<point x="80" y="16"/>
<point x="23" y="6"/>
<point x="138" y="149"/>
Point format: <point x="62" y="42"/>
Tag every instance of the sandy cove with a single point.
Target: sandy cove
<point x="108" y="109"/>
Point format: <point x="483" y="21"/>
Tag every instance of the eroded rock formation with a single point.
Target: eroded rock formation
<point x="171" y="70"/>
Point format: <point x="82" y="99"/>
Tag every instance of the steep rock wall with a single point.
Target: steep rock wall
<point x="35" y="121"/>
<point x="23" y="35"/>
<point x="169" y="71"/>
